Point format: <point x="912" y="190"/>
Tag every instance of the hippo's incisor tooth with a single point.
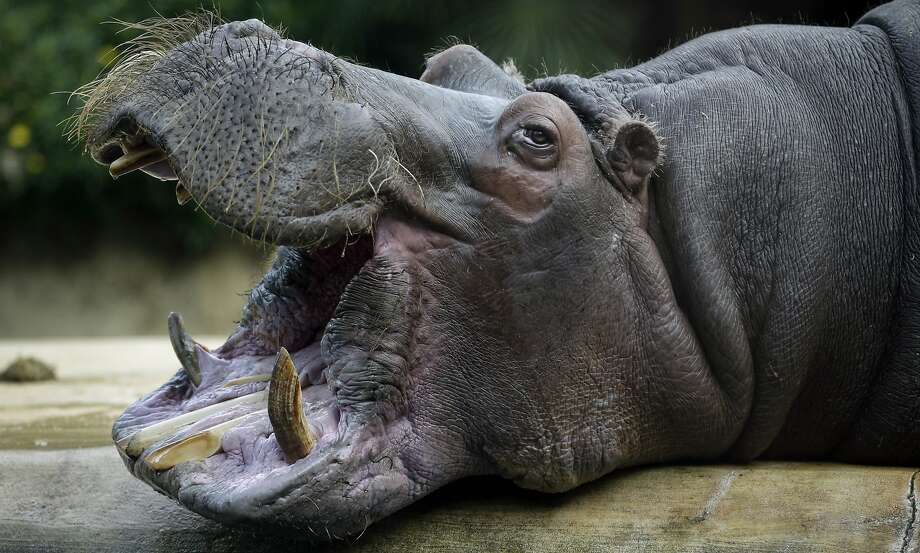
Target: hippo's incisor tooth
<point x="285" y="411"/>
<point x="184" y="347"/>
<point x="136" y="443"/>
<point x="200" y="445"/>
<point x="182" y="194"/>
<point x="246" y="380"/>
<point x="138" y="159"/>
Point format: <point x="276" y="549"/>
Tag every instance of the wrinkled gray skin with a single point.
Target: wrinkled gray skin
<point x="551" y="313"/>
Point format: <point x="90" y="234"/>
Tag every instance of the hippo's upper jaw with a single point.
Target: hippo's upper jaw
<point x="430" y="232"/>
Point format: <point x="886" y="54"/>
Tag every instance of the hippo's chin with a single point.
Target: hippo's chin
<point x="290" y="405"/>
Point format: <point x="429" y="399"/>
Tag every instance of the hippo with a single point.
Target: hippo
<point x="711" y="256"/>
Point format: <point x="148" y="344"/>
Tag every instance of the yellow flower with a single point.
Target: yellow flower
<point x="19" y="136"/>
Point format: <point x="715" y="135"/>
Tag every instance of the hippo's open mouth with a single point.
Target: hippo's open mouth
<point x="264" y="397"/>
<point x="305" y="391"/>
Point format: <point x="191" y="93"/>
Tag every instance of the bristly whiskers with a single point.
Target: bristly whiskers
<point x="138" y="59"/>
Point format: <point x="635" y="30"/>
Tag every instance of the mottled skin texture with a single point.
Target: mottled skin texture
<point x="533" y="301"/>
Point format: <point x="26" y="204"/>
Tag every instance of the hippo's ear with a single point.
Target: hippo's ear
<point x="634" y="155"/>
<point x="626" y="147"/>
<point x="464" y="68"/>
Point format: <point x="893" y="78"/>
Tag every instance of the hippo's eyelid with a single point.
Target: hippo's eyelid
<point x="531" y="128"/>
<point x="540" y="155"/>
<point x="538" y="137"/>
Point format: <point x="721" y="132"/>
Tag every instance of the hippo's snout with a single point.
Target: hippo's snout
<point x="263" y="133"/>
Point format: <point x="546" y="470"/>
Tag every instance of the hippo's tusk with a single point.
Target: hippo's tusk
<point x="285" y="411"/>
<point x="200" y="445"/>
<point x="138" y="159"/>
<point x="136" y="443"/>
<point x="184" y="347"/>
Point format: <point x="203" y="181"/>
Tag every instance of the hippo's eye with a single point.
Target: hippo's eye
<point x="537" y="137"/>
<point x="536" y="143"/>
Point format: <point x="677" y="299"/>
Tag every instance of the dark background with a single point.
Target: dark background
<point x="55" y="203"/>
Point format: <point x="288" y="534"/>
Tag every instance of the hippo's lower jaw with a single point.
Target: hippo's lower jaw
<point x="244" y="431"/>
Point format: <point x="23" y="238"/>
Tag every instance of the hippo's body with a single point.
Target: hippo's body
<point x="787" y="215"/>
<point x="713" y="255"/>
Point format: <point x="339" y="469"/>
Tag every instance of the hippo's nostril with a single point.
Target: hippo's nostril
<point x="252" y="27"/>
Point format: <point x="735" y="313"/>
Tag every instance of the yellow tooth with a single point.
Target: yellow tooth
<point x="136" y="443"/>
<point x="285" y="411"/>
<point x="182" y="194"/>
<point x="196" y="447"/>
<point x="246" y="380"/>
<point x="137" y="159"/>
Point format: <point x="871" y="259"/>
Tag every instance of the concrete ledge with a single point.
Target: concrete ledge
<point x="82" y="499"/>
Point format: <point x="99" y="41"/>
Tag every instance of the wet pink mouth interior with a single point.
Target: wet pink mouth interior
<point x="289" y="308"/>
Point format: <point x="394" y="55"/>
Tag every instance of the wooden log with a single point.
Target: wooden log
<point x="82" y="499"/>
